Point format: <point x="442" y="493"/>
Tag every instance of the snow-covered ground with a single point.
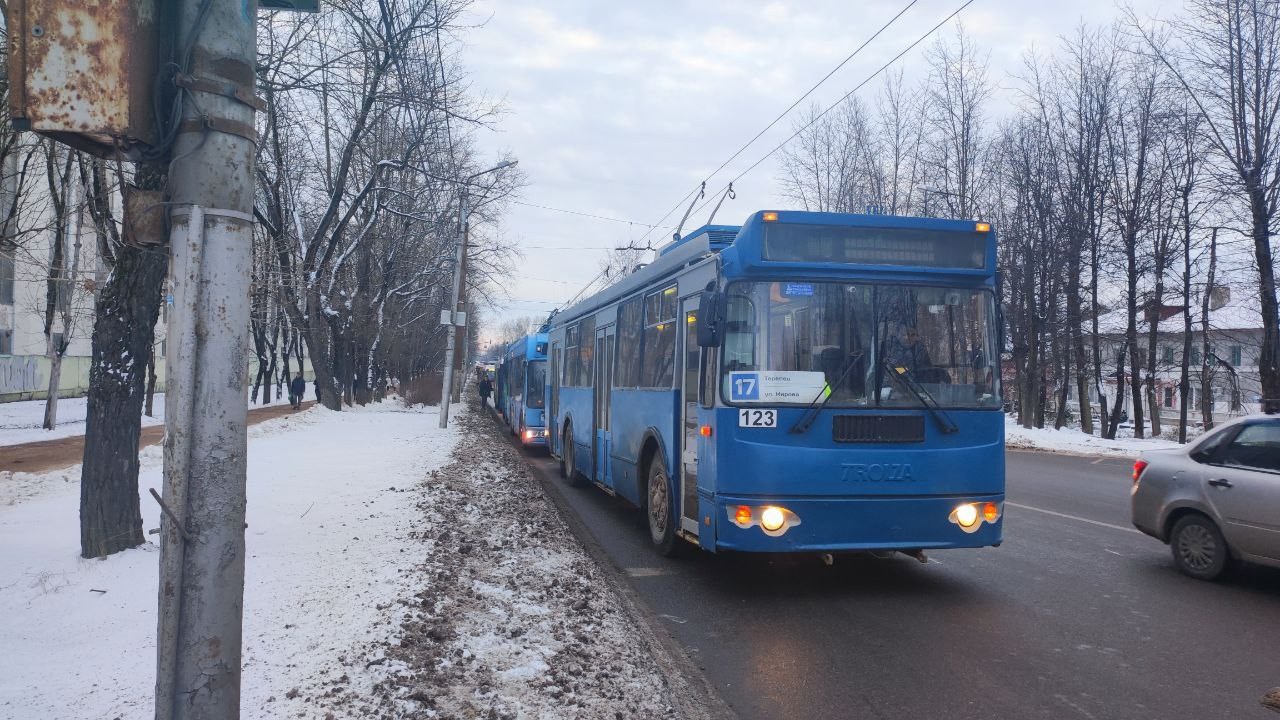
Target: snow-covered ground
<point x="22" y="421"/>
<point x="328" y="548"/>
<point x="394" y="571"/>
<point x="1072" y="440"/>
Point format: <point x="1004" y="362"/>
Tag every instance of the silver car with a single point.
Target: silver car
<point x="1214" y="501"/>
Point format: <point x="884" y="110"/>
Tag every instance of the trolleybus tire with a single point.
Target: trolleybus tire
<point x="568" y="463"/>
<point x="659" y="510"/>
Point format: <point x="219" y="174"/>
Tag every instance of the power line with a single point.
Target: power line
<point x="754" y="165"/>
<point x="837" y="103"/>
<point x="586" y="214"/>
<point x="784" y="113"/>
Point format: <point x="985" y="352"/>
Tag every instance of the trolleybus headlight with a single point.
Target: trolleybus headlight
<point x="966" y="515"/>
<point x="772" y="518"/>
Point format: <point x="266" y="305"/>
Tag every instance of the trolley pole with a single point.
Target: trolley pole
<point x="210" y="196"/>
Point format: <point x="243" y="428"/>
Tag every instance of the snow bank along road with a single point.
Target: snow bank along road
<point x="394" y="570"/>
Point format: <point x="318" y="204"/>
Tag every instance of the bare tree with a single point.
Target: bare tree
<point x="1228" y="62"/>
<point x="62" y="288"/>
<point x="956" y="92"/>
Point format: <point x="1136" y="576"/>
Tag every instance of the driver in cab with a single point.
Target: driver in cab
<point x="905" y="351"/>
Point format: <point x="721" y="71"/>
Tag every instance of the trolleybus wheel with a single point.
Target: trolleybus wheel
<point x="659" y="510"/>
<point x="568" y="466"/>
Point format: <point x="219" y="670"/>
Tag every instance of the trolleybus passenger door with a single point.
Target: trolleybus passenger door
<point x="690" y="370"/>
<point x="602" y="468"/>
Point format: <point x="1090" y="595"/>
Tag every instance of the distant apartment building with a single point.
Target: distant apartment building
<point x="1234" y="346"/>
<point x="26" y="249"/>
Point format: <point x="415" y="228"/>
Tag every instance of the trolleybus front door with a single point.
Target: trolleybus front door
<point x="691" y="368"/>
<point x="602" y="469"/>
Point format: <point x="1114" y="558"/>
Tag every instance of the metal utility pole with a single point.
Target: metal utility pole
<point x="210" y="196"/>
<point x="457" y="311"/>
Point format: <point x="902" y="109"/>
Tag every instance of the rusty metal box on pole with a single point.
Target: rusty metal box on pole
<point x="83" y="73"/>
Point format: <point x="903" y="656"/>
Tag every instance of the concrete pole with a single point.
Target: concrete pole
<point x="202" y="531"/>
<point x="451" y="342"/>
<point x="463" y="348"/>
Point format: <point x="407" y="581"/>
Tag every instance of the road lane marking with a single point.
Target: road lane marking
<point x="1071" y="517"/>
<point x="645" y="571"/>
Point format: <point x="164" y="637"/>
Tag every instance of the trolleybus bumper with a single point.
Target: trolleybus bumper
<point x="863" y="523"/>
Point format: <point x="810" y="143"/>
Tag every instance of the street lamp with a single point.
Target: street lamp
<point x="456" y="316"/>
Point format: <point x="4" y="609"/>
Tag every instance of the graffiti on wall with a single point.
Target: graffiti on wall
<point x="19" y="374"/>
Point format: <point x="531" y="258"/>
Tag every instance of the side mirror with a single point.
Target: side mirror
<point x="711" y="314"/>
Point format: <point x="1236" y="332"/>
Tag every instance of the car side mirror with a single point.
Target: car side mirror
<point x="711" y="316"/>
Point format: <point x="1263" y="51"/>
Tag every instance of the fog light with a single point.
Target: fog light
<point x="772" y="518"/>
<point x="966" y="515"/>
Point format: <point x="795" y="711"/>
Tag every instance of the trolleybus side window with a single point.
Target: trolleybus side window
<point x="556" y="363"/>
<point x="658" y="357"/>
<point x="740" y="334"/>
<point x="586" y="351"/>
<point x="630" y="330"/>
<point x="570" y="356"/>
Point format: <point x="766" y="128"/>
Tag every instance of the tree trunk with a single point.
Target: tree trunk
<point x="1118" y="408"/>
<point x="321" y="353"/>
<point x="123" y="332"/>
<point x="55" y="378"/>
<point x="1269" y="358"/>
<point x="1206" y="378"/>
<point x="151" y="382"/>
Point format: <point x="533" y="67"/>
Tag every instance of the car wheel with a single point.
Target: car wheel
<point x="659" y="510"/>
<point x="1199" y="550"/>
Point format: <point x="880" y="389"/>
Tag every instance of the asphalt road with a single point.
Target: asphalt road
<point x="1076" y="615"/>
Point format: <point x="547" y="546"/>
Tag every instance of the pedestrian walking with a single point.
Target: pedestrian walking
<point x="297" y="389"/>
<point x="486" y="388"/>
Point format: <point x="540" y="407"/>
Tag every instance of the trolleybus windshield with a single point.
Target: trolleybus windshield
<point x="789" y="343"/>
<point x="537" y="380"/>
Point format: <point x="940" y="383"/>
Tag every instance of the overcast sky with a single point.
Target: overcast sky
<point x="620" y="109"/>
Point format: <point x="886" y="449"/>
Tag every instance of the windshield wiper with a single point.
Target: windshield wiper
<point x="945" y="423"/>
<point x="815" y="407"/>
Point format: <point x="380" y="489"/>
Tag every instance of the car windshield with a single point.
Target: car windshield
<point x="536" y="380"/>
<point x="867" y="344"/>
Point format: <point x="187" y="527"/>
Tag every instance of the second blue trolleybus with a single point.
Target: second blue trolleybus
<point x="807" y="382"/>
<point x="520" y="391"/>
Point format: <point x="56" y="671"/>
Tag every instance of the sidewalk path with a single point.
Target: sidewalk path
<point x="64" y="452"/>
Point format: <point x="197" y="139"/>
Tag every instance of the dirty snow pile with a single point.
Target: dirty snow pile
<point x="510" y="618"/>
<point x="1073" y="440"/>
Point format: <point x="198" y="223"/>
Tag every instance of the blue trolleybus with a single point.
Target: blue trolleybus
<point x="521" y="388"/>
<point x="807" y="382"/>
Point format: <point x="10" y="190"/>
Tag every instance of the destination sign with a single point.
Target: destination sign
<point x="906" y="247"/>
